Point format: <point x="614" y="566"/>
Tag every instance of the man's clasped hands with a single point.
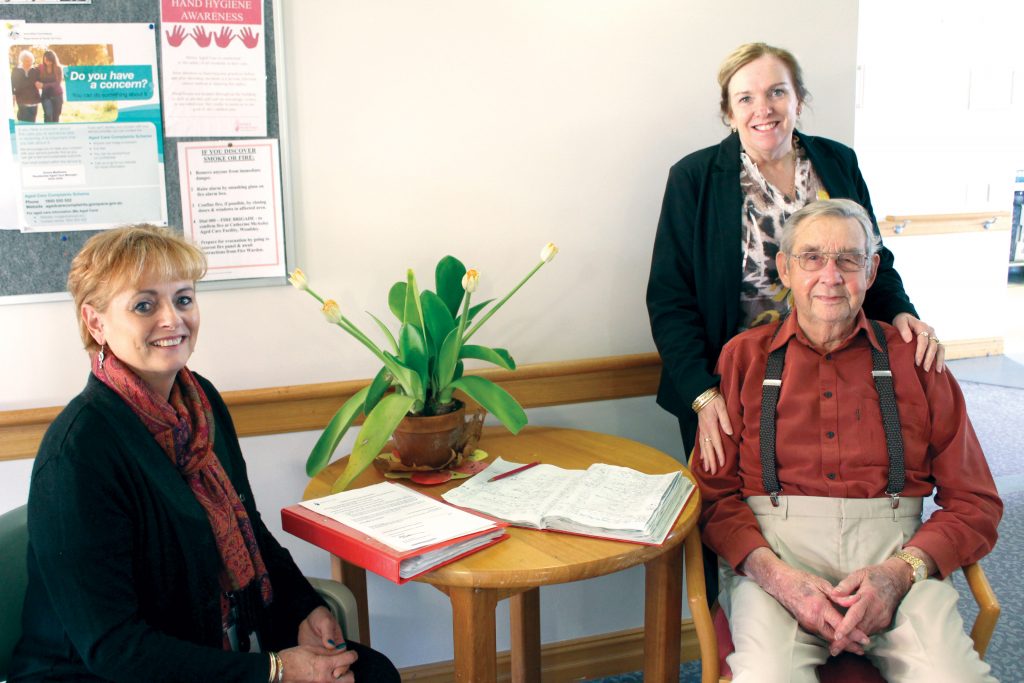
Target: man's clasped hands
<point x="845" y="615"/>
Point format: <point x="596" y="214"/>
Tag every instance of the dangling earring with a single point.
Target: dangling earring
<point x="733" y="129"/>
<point x="99" y="356"/>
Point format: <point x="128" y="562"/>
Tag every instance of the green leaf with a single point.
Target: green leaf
<point x="334" y="432"/>
<point x="413" y="311"/>
<point x="409" y="380"/>
<point x="445" y="395"/>
<point x="448" y="280"/>
<point x="439" y="321"/>
<point x="396" y="300"/>
<point x="499" y="357"/>
<point x="413" y="351"/>
<point x="380" y="384"/>
<point x="447" y="357"/>
<point x="494" y="399"/>
<point x="387" y="332"/>
<point x="379" y="426"/>
<point x="473" y="310"/>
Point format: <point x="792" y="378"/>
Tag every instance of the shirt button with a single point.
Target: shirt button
<point x="831" y="475"/>
<point x="828" y="356"/>
<point x="828" y="394"/>
<point x="830" y="434"/>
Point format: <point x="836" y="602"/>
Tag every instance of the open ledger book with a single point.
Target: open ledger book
<point x="606" y="501"/>
<point x="390" y="529"/>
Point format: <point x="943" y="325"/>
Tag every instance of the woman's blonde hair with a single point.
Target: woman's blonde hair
<point x="114" y="259"/>
<point x="747" y="53"/>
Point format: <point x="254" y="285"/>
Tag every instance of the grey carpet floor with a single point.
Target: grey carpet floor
<point x="994" y="395"/>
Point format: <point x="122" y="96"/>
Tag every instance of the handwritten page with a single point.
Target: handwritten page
<point x="595" y="504"/>
<point x="398" y="516"/>
<point x="520" y="499"/>
<point x="607" y="501"/>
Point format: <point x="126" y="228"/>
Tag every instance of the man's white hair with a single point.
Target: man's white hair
<point x="831" y="208"/>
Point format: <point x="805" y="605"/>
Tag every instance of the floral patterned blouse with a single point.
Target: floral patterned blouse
<point x="763" y="298"/>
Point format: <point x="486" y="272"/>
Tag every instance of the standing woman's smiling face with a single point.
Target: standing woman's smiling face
<point x="763" y="108"/>
<point x="151" y="327"/>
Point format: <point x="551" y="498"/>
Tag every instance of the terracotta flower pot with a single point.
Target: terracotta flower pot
<point x="427" y="442"/>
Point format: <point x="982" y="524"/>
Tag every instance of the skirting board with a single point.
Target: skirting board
<point x="569" y="661"/>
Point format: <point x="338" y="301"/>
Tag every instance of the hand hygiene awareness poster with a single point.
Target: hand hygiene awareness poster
<point x="85" y="133"/>
<point x="214" y="68"/>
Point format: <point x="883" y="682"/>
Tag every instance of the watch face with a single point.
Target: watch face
<point x="919" y="573"/>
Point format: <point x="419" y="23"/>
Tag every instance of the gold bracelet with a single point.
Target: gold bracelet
<point x="273" y="667"/>
<point x="707" y="397"/>
<point x="280" y="667"/>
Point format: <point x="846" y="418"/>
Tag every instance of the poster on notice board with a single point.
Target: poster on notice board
<point x="85" y="149"/>
<point x="214" y="68"/>
<point x="231" y="206"/>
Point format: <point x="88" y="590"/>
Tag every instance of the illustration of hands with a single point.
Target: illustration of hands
<point x="223" y="38"/>
<point x="201" y="37"/>
<point x="177" y="36"/>
<point x="249" y="39"/>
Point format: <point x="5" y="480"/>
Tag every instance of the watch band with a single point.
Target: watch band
<point x="916" y="563"/>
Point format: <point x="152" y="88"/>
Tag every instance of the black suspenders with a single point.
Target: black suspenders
<point x="772" y="387"/>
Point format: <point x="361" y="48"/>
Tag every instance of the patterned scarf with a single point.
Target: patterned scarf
<point x="183" y="427"/>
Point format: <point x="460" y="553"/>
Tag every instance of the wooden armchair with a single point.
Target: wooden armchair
<point x="713" y="628"/>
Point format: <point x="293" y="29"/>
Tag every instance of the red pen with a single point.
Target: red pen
<point x="511" y="472"/>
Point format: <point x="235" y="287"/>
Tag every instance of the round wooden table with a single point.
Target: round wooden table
<point x="517" y="567"/>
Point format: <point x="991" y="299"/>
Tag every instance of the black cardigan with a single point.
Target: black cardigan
<point x="693" y="294"/>
<point x="123" y="567"/>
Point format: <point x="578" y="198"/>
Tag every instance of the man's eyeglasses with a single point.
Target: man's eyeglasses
<point x="847" y="261"/>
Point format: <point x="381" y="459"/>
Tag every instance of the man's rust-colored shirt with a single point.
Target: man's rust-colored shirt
<point x="831" y="442"/>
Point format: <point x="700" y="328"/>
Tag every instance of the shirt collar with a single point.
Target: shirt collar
<point x="790" y="329"/>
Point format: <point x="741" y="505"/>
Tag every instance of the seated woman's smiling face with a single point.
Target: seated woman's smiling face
<point x="152" y="327"/>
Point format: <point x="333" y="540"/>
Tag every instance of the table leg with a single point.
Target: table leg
<point x="524" y="609"/>
<point x="355" y="578"/>
<point x="697" y="598"/>
<point x="663" y="614"/>
<point x="473" y="625"/>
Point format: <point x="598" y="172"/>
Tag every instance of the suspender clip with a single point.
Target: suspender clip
<point x="774" y="495"/>
<point x="894" y="500"/>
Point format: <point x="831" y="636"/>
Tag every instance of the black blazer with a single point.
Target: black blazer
<point x="693" y="294"/>
<point x="123" y="566"/>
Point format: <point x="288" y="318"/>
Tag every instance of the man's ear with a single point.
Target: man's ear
<point x="875" y="260"/>
<point x="93" y="323"/>
<point x="782" y="264"/>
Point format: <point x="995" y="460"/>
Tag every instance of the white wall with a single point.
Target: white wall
<point x="970" y="306"/>
<point x="481" y="129"/>
<point x="940" y="104"/>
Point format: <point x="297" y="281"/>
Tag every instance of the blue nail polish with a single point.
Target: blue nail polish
<point x="333" y="644"/>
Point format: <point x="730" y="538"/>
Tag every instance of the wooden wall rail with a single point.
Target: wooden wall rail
<point x="307" y="407"/>
<point x="943" y="223"/>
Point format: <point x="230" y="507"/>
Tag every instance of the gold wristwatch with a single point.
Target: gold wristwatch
<point x="916" y="563"/>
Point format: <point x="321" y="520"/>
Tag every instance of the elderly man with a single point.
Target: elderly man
<point x="23" y="87"/>
<point x="816" y="513"/>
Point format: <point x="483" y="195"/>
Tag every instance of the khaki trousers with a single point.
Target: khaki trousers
<point x="832" y="537"/>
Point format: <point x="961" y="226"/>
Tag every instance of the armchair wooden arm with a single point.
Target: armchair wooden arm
<point x="988" y="607"/>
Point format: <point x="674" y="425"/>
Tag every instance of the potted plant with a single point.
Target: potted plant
<point x="422" y="365"/>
